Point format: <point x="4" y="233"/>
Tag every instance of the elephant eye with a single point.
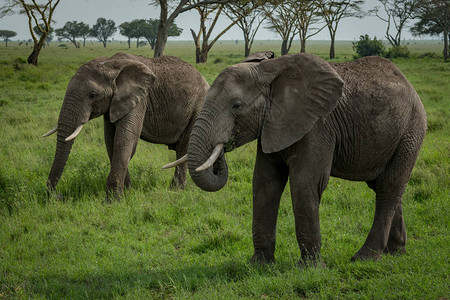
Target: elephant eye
<point x="237" y="104"/>
<point x="92" y="94"/>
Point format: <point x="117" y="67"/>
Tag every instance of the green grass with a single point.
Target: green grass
<point x="159" y="243"/>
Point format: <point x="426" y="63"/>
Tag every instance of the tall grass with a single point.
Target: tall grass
<point x="162" y="243"/>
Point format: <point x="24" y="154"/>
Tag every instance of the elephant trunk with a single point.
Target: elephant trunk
<point x="199" y="150"/>
<point x="72" y="115"/>
<point x="61" y="155"/>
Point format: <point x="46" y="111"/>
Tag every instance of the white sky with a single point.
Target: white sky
<point x="126" y="10"/>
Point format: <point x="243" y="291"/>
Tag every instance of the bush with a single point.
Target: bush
<point x="367" y="47"/>
<point x="398" y="51"/>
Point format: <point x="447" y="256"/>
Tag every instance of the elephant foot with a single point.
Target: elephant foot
<point x="259" y="258"/>
<point x="177" y="184"/>
<point x="367" y="254"/>
<point x="396" y="251"/>
<point x="112" y="196"/>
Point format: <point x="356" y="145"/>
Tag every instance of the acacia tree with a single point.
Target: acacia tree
<point x="282" y="19"/>
<point x="103" y="30"/>
<point x="434" y="19"/>
<point x="126" y="30"/>
<point x="250" y="16"/>
<point x="149" y="30"/>
<point x="6" y="35"/>
<point x="398" y="12"/>
<point x="307" y="12"/>
<point x="333" y="11"/>
<point x="168" y="16"/>
<point x="204" y="34"/>
<point x="72" y="30"/>
<point x="37" y="14"/>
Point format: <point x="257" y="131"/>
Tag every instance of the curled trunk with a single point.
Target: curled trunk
<point x="199" y="150"/>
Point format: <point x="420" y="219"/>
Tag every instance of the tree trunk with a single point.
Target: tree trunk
<point x="284" y="50"/>
<point x="247" y="48"/>
<point x="129" y="42"/>
<point x="202" y="56"/>
<point x="33" y="58"/>
<point x="332" y="53"/>
<point x="104" y="44"/>
<point x="303" y="45"/>
<point x="163" y="32"/>
<point x="445" y="52"/>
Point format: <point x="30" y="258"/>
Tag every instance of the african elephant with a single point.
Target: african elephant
<point x="155" y="99"/>
<point x="359" y="120"/>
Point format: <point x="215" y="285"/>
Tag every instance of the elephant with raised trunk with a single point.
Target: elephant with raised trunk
<point x="155" y="99"/>
<point x="359" y="120"/>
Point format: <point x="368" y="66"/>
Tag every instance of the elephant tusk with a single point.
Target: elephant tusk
<point x="215" y="154"/>
<point x="75" y="133"/>
<point x="178" y="162"/>
<point x="52" y="131"/>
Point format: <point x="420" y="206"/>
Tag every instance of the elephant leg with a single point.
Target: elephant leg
<point x="388" y="228"/>
<point x="396" y="243"/>
<point x="126" y="137"/>
<point x="306" y="192"/>
<point x="269" y="180"/>
<point x="179" y="177"/>
<point x="109" y="132"/>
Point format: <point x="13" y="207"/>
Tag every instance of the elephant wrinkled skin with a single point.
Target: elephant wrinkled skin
<point x="359" y="120"/>
<point x="155" y="99"/>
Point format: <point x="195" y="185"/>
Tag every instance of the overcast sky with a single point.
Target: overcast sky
<point x="126" y="10"/>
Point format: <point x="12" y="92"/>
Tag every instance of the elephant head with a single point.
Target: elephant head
<point x="275" y="100"/>
<point x="103" y="86"/>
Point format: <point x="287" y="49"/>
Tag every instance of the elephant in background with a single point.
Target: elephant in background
<point x="359" y="120"/>
<point x="155" y="99"/>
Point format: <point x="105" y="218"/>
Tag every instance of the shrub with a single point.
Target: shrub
<point x="367" y="47"/>
<point x="398" y="51"/>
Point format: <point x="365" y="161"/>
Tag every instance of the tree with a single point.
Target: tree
<point x="6" y="34"/>
<point x="307" y="12"/>
<point x="333" y="11"/>
<point x="73" y="30"/>
<point x="434" y="19"/>
<point x="166" y="19"/>
<point x="205" y="10"/>
<point x="250" y="16"/>
<point x="37" y="14"/>
<point x="126" y="30"/>
<point x="367" y="47"/>
<point x="282" y="19"/>
<point x="103" y="30"/>
<point x="84" y="32"/>
<point x="398" y="12"/>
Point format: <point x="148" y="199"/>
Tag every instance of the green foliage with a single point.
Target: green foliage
<point x="162" y="243"/>
<point x="367" y="47"/>
<point x="398" y="52"/>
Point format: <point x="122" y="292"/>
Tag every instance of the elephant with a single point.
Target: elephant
<point x="155" y="99"/>
<point x="359" y="120"/>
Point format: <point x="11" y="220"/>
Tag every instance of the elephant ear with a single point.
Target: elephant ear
<point x="132" y="86"/>
<point x="259" y="56"/>
<point x="304" y="88"/>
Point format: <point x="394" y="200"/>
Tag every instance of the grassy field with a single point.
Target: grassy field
<point x="159" y="243"/>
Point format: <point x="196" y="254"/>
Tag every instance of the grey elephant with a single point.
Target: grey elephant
<point x="359" y="120"/>
<point x="155" y="99"/>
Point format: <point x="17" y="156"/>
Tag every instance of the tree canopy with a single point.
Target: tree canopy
<point x="103" y="30"/>
<point x="6" y="34"/>
<point x="73" y="30"/>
